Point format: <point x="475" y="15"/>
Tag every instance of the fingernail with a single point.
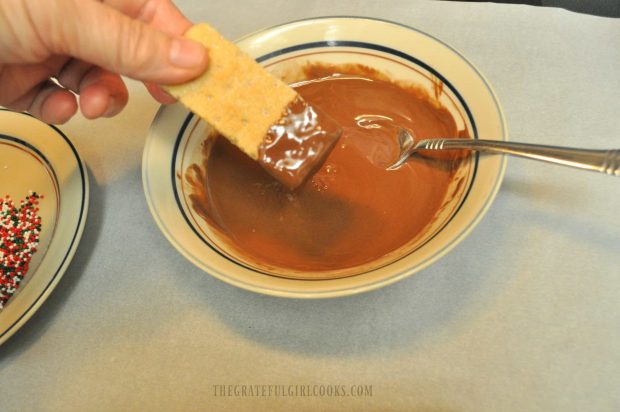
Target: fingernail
<point x="187" y="53"/>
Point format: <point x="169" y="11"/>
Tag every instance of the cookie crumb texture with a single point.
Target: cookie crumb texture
<point x="20" y="227"/>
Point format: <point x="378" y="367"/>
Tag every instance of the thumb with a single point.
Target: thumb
<point x="104" y="36"/>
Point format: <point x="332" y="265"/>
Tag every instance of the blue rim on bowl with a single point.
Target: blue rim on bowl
<point x="331" y="38"/>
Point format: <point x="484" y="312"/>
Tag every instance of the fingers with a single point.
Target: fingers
<point x="102" y="94"/>
<point x="137" y="38"/>
<point x="27" y="87"/>
<point x="55" y="106"/>
<point x="161" y="14"/>
<point x="48" y="102"/>
<point x="16" y="80"/>
<point x="104" y="36"/>
<point x="72" y="74"/>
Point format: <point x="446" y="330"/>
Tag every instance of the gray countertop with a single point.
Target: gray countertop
<point x="524" y="315"/>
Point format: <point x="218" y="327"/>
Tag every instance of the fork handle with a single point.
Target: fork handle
<point x="604" y="161"/>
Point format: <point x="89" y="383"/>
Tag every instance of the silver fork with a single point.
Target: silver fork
<point x="604" y="161"/>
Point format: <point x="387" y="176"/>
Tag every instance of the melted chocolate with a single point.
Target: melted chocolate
<point x="352" y="211"/>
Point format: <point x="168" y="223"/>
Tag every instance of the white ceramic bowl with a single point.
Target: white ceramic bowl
<point x="38" y="157"/>
<point x="403" y="53"/>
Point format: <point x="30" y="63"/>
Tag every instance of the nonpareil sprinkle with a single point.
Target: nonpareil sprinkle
<point x="19" y="237"/>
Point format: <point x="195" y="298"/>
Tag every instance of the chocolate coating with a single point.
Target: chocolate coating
<point x="298" y="144"/>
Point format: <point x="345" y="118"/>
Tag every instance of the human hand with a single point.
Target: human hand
<point x="53" y="50"/>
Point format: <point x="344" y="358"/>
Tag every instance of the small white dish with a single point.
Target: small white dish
<point x="405" y="54"/>
<point x="38" y="157"/>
